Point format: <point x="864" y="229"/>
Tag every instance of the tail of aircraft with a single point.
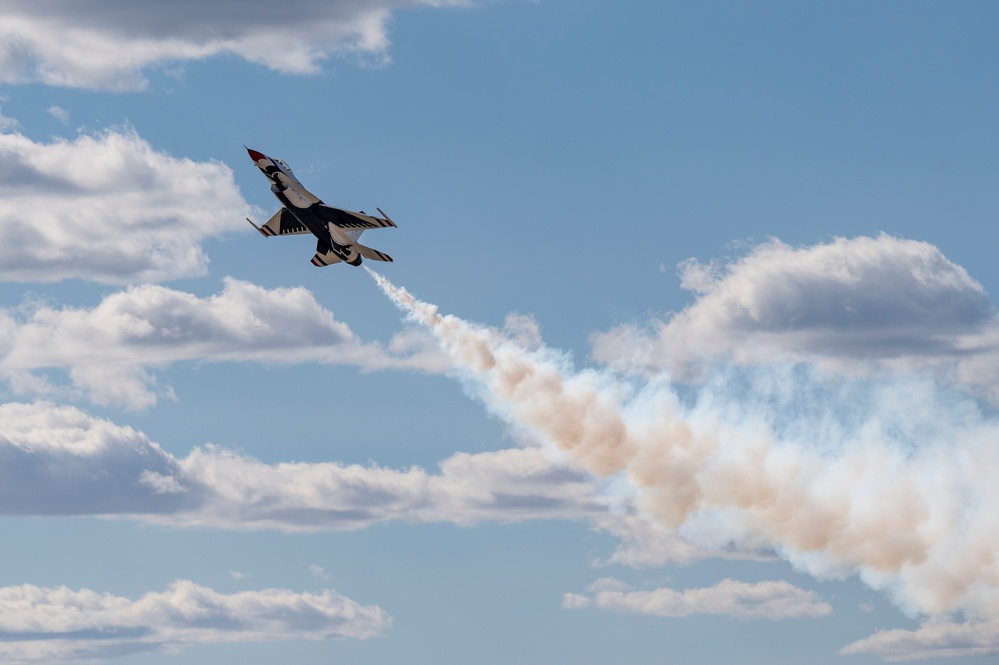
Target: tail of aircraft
<point x="323" y="259"/>
<point x="368" y="252"/>
<point x="326" y="257"/>
<point x="372" y="254"/>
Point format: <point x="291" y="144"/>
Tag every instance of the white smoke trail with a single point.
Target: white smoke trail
<point x="894" y="482"/>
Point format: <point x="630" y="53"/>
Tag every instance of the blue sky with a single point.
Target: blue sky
<point x="688" y="353"/>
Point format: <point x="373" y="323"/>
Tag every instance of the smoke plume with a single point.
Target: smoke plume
<point x="889" y="479"/>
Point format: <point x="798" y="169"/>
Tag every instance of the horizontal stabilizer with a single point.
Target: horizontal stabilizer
<point x="372" y="254"/>
<point x="322" y="259"/>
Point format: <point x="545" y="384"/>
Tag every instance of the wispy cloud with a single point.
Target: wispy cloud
<point x="101" y="44"/>
<point x="59" y="113"/>
<point x="108" y="208"/>
<point x="110" y="351"/>
<point x="319" y="572"/>
<point x="7" y="124"/>
<point x="772" y="600"/>
<point x="44" y="625"/>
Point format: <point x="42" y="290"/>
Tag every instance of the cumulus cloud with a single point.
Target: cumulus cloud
<point x="110" y="350"/>
<point x="773" y="600"/>
<point x="44" y="625"/>
<point x="855" y="305"/>
<point x="60" y="461"/>
<point x="108" y="208"/>
<point x="101" y="44"/>
<point x="57" y="460"/>
<point x="889" y="479"/>
<point x="933" y="639"/>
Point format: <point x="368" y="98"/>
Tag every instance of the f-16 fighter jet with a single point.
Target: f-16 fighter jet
<point x="302" y="212"/>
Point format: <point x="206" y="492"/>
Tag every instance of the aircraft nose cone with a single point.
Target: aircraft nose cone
<point x="254" y="155"/>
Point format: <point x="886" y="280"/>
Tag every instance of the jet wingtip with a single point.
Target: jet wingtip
<point x="387" y="218"/>
<point x="263" y="230"/>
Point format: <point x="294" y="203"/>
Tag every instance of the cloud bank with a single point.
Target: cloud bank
<point x="860" y="306"/>
<point x="773" y="601"/>
<point x="110" y="351"/>
<point x="886" y="476"/>
<point x="102" y="44"/>
<point x="933" y="639"/>
<point x="108" y="208"/>
<point x="44" y="625"/>
<point x="58" y="460"/>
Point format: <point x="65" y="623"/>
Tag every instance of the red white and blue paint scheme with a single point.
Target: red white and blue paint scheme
<point x="302" y="212"/>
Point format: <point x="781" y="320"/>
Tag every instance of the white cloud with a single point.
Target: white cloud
<point x="161" y="484"/>
<point x="774" y="600"/>
<point x="609" y="584"/>
<point x="59" y="113"/>
<point x="102" y="44"/>
<point x="7" y="124"/>
<point x="108" y="208"/>
<point x="319" y="572"/>
<point x="43" y="625"/>
<point x="60" y="461"/>
<point x="110" y="350"/>
<point x="645" y="543"/>
<point x="857" y="305"/>
<point x="575" y="601"/>
<point x="933" y="639"/>
<point x="507" y="486"/>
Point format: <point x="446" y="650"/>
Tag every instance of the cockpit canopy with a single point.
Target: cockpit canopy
<point x="287" y="169"/>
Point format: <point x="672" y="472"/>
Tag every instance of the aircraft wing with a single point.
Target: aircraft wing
<point x="283" y="223"/>
<point x="345" y="219"/>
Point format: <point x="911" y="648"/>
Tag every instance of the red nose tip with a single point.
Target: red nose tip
<point x="254" y="155"/>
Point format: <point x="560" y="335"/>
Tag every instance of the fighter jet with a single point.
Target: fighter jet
<point x="302" y="212"/>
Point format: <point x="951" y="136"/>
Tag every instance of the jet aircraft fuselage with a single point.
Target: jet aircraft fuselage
<point x="336" y="230"/>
